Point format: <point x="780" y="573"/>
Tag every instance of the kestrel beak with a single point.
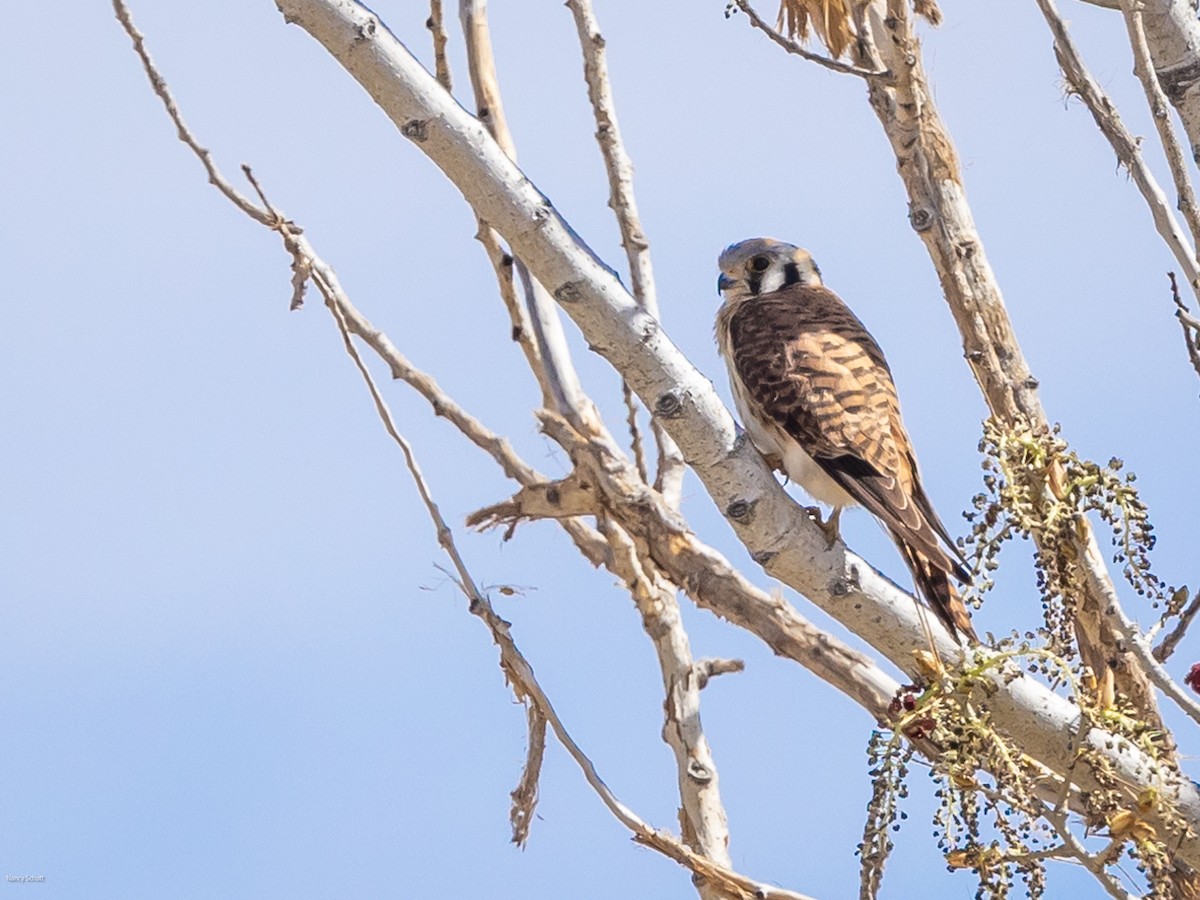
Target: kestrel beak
<point x="724" y="283"/>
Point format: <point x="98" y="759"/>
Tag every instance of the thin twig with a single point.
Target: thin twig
<point x="1138" y="645"/>
<point x="704" y="820"/>
<point x="1160" y="111"/>
<point x="1189" y="323"/>
<point x="1058" y="818"/>
<point x="437" y="26"/>
<point x="539" y="322"/>
<point x="1167" y="645"/>
<point x="1123" y="143"/>
<point x="522" y="329"/>
<point x="160" y="88"/>
<point x="566" y="391"/>
<point x="707" y="669"/>
<point x="622" y="200"/>
<point x="525" y="795"/>
<point x="525" y="685"/>
<point x="797" y="48"/>
<point x="481" y="67"/>
<point x="635" y="434"/>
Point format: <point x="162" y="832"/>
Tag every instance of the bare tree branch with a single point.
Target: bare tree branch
<point x="1167" y="645"/>
<point x="702" y="818"/>
<point x="525" y="794"/>
<point x="941" y="216"/>
<point x="437" y="26"/>
<point x="1136" y="641"/>
<point x="705" y="824"/>
<point x="562" y="381"/>
<point x="636" y="444"/>
<point x="781" y="537"/>
<point x="669" y="478"/>
<point x="1173" y="34"/>
<point x="1185" y="196"/>
<point x="482" y="69"/>
<point x="799" y="49"/>
<point x="1189" y="323"/>
<point x="185" y="135"/>
<point x="1094" y="863"/>
<point x="520" y="676"/>
<point x="1173" y="38"/>
<point x="1124" y="144"/>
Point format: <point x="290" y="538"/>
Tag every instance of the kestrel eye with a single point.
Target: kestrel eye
<point x="760" y="264"/>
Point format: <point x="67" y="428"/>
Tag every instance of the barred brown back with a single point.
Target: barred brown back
<point x="809" y="368"/>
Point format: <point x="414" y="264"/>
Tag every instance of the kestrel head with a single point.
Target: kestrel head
<point x="761" y="265"/>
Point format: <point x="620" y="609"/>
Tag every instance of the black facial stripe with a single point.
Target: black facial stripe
<point x="791" y="274"/>
<point x="755" y="282"/>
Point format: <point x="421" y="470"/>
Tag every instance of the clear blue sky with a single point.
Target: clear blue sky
<point x="230" y="665"/>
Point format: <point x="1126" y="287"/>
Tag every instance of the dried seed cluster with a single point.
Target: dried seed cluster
<point x="990" y="814"/>
<point x="1035" y="485"/>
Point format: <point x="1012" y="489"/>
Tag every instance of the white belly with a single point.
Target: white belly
<point x="801" y="468"/>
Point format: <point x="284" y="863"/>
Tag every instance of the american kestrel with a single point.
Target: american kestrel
<point x="816" y="396"/>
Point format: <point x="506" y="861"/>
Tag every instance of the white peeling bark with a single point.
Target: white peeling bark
<point x="781" y="538"/>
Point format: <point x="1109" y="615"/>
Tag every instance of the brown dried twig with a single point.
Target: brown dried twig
<point x="525" y="794"/>
<point x="1189" y="323"/>
<point x="1165" y="647"/>
<point x="792" y="46"/>
<point x="437" y="27"/>
<point x="1094" y="862"/>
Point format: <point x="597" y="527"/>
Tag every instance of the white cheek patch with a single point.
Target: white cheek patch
<point x="772" y="280"/>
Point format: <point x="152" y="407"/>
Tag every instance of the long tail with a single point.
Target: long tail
<point x="935" y="586"/>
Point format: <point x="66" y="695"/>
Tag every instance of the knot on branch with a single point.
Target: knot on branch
<point x="568" y="292"/>
<point x="698" y="772"/>
<point x="763" y="557"/>
<point x="669" y="405"/>
<point x="415" y="130"/>
<point x="1178" y="80"/>
<point x="921" y="219"/>
<point x="366" y="31"/>
<point x="741" y="511"/>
